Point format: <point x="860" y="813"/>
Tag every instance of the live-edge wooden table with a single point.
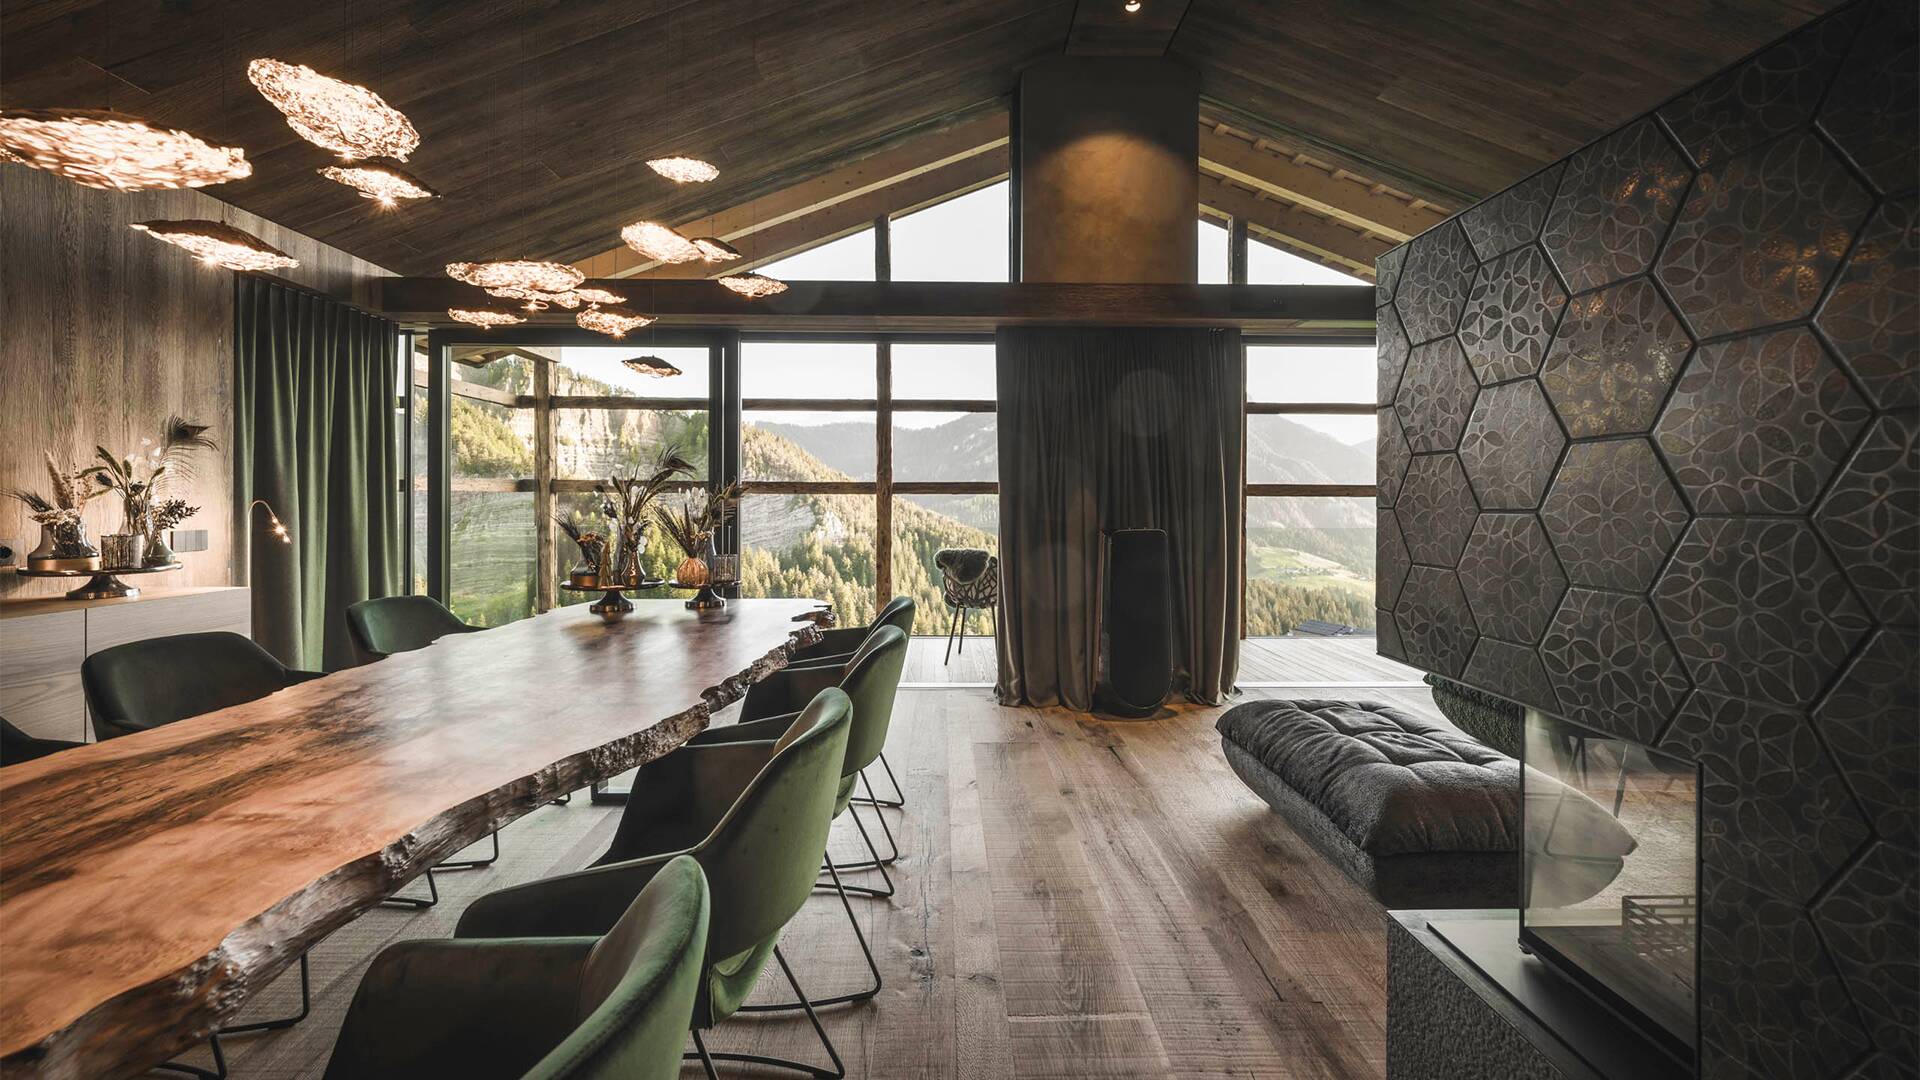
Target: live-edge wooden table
<point x="150" y="884"/>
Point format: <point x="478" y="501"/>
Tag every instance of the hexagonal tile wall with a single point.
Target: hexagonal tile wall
<point x="1436" y="626"/>
<point x="1868" y="722"/>
<point x="1611" y="666"/>
<point x="1437" y="508"/>
<point x="1771" y="93"/>
<point x="1514" y="216"/>
<point x="1870" y="519"/>
<point x="1873" y="111"/>
<point x="1436" y="394"/>
<point x="1515" y="670"/>
<point x="1511" y="445"/>
<point x="1391" y="351"/>
<point x="1613" y="515"/>
<point x="1391" y="458"/>
<point x="1772" y="805"/>
<point x="1614" y="359"/>
<point x="1441" y="260"/>
<point x="1386" y="275"/>
<point x="1873" y="316"/>
<point x="1868" y="927"/>
<point x="1515" y="304"/>
<point x="1757" y="609"/>
<point x="1614" y="205"/>
<point x="1512" y="581"/>
<point x="1390" y="561"/>
<point x="1759" y="238"/>
<point x="1758" y="425"/>
<point x="1387" y="636"/>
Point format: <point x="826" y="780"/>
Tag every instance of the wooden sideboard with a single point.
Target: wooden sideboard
<point x="42" y="643"/>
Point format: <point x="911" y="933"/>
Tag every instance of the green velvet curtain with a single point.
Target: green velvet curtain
<point x="1116" y="428"/>
<point x="314" y="426"/>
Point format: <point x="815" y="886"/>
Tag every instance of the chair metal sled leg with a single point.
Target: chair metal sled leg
<point x="839" y="1070"/>
<point x="474" y="864"/>
<point x="218" y="1072"/>
<point x="839" y="999"/>
<point x="875" y="863"/>
<point x="306" y="1006"/>
<point x="893" y="846"/>
<point x="432" y="897"/>
<point x="899" y="800"/>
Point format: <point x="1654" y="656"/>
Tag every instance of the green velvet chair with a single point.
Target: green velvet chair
<point x="834" y="650"/>
<point x="17" y="747"/>
<point x="756" y="817"/>
<point x="612" y="1007"/>
<point x="395" y="624"/>
<point x="152" y="683"/>
<point x="870" y="680"/>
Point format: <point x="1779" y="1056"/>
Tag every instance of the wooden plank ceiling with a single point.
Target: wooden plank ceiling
<point x="536" y="115"/>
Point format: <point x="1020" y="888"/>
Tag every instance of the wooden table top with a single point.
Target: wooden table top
<point x="148" y="885"/>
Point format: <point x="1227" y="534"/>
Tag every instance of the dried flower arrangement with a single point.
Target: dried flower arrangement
<point x="138" y="480"/>
<point x="627" y="503"/>
<point x="593" y="551"/>
<point x="692" y="524"/>
<point x="64" y="534"/>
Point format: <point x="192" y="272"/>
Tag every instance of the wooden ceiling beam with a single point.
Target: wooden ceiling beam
<point x="1331" y="240"/>
<point x="839" y="219"/>
<point x="1326" y="193"/>
<point x="893" y="165"/>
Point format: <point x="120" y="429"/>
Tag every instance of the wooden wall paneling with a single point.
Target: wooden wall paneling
<point x="40" y="658"/>
<point x="158" y="614"/>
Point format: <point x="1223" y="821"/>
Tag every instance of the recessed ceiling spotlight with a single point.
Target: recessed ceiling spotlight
<point x="1132" y="6"/>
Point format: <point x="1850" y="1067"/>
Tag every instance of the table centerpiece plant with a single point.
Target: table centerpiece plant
<point x="692" y="526"/>
<point x="138" y="480"/>
<point x="627" y="503"/>
<point x="63" y="535"/>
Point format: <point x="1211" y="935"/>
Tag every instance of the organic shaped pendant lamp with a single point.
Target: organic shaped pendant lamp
<point x="754" y="286"/>
<point x="221" y="245"/>
<point x="611" y="321"/>
<point x="714" y="249"/>
<point x="545" y="277"/>
<point x="382" y="183"/>
<point x="568" y="300"/>
<point x="660" y="243"/>
<point x="684" y="170"/>
<point x="343" y="117"/>
<point x="485" y="318"/>
<point x="115" y="151"/>
<point x="599" y="296"/>
<point x="651" y="366"/>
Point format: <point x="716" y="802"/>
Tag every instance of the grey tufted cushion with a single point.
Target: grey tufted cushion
<point x="1393" y="783"/>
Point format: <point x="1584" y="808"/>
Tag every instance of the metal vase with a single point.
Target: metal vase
<point x="123" y="551"/>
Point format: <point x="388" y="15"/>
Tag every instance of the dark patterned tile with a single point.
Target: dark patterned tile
<point x="1393" y="455"/>
<point x="1511" y="671"/>
<point x="1391" y="353"/>
<point x="1511" y="579"/>
<point x="1610" y="666"/>
<point x="1433" y="284"/>
<point x="1436" y="510"/>
<point x="1387" y="637"/>
<point x="1773" y="808"/>
<point x="1758" y="425"/>
<point x="1614" y="206"/>
<point x="1510" y="315"/>
<point x="1511" y="445"/>
<point x="1436" y="395"/>
<point x="1757" y="610"/>
<point x="1614" y="359"/>
<point x="1872" y="519"/>
<point x="1868" y="721"/>
<point x="1869" y="927"/>
<point x="1873" y="110"/>
<point x="1770" y="995"/>
<point x="1386" y="275"/>
<point x="1768" y="95"/>
<point x="1873" y="316"/>
<point x="1613" y="514"/>
<point x="1760" y="236"/>
<point x="1390" y="561"/>
<point x="1497" y="225"/>
<point x="1436" y="627"/>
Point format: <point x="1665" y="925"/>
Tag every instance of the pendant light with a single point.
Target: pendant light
<point x="485" y="318"/>
<point x="754" y="286"/>
<point x="383" y="183"/>
<point x="614" y="322"/>
<point x="529" y="274"/>
<point x="218" y="244"/>
<point x="116" y="152"/>
<point x="653" y="367"/>
<point x="340" y="116"/>
<point x="684" y="170"/>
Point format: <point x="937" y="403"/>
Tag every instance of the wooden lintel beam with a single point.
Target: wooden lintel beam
<point x="891" y="165"/>
<point x="913" y="305"/>
<point x="843" y="218"/>
<point x="1224" y="155"/>
<point x="1330" y="241"/>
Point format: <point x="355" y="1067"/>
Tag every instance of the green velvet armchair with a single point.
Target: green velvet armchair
<point x="395" y="624"/>
<point x="837" y="646"/>
<point x="601" y="1007"/>
<point x="755" y="815"/>
<point x="152" y="683"/>
<point x="17" y="747"/>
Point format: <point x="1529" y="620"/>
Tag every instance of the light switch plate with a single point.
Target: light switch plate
<point x="185" y="540"/>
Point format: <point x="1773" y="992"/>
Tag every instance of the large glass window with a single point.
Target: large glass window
<point x="849" y="258"/>
<point x="1213" y="241"/>
<point x="1268" y="264"/>
<point x="490" y="540"/>
<point x="962" y="239"/>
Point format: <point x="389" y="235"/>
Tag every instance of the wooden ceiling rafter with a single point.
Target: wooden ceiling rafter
<point x="1328" y="189"/>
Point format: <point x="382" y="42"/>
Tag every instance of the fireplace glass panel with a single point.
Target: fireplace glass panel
<point x="1609" y="887"/>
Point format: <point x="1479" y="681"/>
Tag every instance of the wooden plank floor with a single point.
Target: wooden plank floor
<point x="1298" y="660"/>
<point x="1077" y="898"/>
